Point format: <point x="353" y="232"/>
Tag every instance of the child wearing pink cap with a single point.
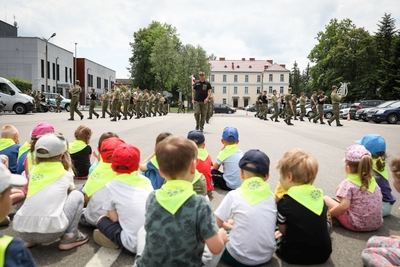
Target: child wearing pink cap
<point x="125" y="202"/>
<point x="360" y="198"/>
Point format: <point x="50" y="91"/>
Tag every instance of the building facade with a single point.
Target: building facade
<point x="238" y="82"/>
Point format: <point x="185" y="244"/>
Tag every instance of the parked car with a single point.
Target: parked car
<point x="390" y="114"/>
<point x="310" y="113"/>
<point x="343" y="113"/>
<point x="223" y="108"/>
<point x="251" y="108"/>
<point x="363" y="104"/>
<point x="363" y="113"/>
<point x="14" y="99"/>
<point x="65" y="102"/>
<point x="328" y="113"/>
<point x="298" y="108"/>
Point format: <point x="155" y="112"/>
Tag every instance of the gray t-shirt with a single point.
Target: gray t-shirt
<point x="177" y="240"/>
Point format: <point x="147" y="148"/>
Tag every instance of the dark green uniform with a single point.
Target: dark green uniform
<point x="37" y="102"/>
<point x="289" y="111"/>
<point x="294" y="105"/>
<point x="93" y="98"/>
<point x="151" y="104"/>
<point x="303" y="100"/>
<point x="75" y="92"/>
<point x="156" y="105"/>
<point x="145" y="98"/>
<point x="210" y="108"/>
<point x="320" y="100"/>
<point x="276" y="109"/>
<point x="335" y="105"/>
<point x="161" y="101"/>
<point x="104" y="107"/>
<point x="115" y="104"/>
<point x="58" y="103"/>
<point x="127" y="98"/>
<point x="137" y="104"/>
<point x="313" y="107"/>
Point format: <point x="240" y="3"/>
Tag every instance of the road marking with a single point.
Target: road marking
<point x="104" y="257"/>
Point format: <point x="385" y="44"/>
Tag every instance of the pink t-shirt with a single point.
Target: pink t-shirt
<point x="365" y="212"/>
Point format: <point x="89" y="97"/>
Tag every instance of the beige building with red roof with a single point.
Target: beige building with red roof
<point x="238" y="82"/>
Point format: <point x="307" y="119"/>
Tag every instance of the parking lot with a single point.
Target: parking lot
<point x="326" y="143"/>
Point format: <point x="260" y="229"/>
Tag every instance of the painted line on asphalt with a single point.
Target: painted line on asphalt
<point x="104" y="257"/>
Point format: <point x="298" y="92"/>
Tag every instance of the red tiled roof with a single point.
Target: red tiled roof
<point x="245" y="66"/>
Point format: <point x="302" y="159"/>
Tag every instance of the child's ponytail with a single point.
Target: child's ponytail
<point x="364" y="170"/>
<point x="380" y="162"/>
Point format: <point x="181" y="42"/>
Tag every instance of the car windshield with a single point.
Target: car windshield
<point x="394" y="105"/>
<point x="386" y="104"/>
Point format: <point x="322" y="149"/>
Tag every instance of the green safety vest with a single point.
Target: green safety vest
<point x="5" y="240"/>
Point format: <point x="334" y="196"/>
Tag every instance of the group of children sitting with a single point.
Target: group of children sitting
<point x="159" y="209"/>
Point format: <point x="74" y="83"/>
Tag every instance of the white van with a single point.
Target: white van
<point x="14" y="99"/>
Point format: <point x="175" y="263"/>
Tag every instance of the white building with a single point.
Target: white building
<point x="238" y="82"/>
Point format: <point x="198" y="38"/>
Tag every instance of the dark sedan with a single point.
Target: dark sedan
<point x="363" y="113"/>
<point x="390" y="115"/>
<point x="223" y="108"/>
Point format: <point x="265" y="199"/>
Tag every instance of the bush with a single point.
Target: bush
<point x="21" y="84"/>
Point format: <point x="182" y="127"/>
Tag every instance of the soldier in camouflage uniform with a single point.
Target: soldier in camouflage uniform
<point x="161" y="101"/>
<point x="210" y="108"/>
<point x="335" y="105"/>
<point x="156" y="104"/>
<point x="258" y="105"/>
<point x="289" y="107"/>
<point x="294" y="106"/>
<point x="127" y="98"/>
<point x="75" y="91"/>
<point x="145" y="98"/>
<point x="115" y="103"/>
<point x="151" y="104"/>
<point x="58" y="102"/>
<point x="275" y="104"/>
<point x="138" y="104"/>
<point x="313" y="106"/>
<point x="37" y="101"/>
<point x="105" y="102"/>
<point x="303" y="101"/>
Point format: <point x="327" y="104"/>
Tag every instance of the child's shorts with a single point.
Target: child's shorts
<point x="344" y="220"/>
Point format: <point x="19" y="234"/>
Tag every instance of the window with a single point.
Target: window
<point x="224" y="78"/>
<point x="224" y="90"/>
<point x="282" y="78"/>
<point x="258" y="89"/>
<point x="235" y="78"/>
<point x="42" y="68"/>
<point x="246" y="78"/>
<point x="281" y="90"/>
<point x="223" y="100"/>
<point x="66" y="74"/>
<point x="270" y="78"/>
<point x="54" y="71"/>
<point x="212" y="77"/>
<point x="258" y="78"/>
<point x="98" y="83"/>
<point x="58" y="72"/>
<point x="212" y="89"/>
<point x="70" y="75"/>
<point x="235" y="90"/>
<point x="270" y="90"/>
<point x="48" y="70"/>
<point x="246" y="91"/>
<point x="105" y="83"/>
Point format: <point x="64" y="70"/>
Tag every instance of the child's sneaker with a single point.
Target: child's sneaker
<point x="5" y="222"/>
<point x="68" y="243"/>
<point x="102" y="240"/>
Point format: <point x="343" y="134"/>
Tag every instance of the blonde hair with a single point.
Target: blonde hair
<point x="363" y="169"/>
<point x="83" y="133"/>
<point x="8" y="131"/>
<point x="174" y="155"/>
<point x="395" y="167"/>
<point x="302" y="165"/>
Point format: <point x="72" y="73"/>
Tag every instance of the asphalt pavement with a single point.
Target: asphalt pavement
<point x="326" y="143"/>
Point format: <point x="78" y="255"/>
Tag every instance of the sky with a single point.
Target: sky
<point x="282" y="30"/>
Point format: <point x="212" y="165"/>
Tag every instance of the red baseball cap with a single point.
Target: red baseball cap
<point x="126" y="156"/>
<point x="108" y="146"/>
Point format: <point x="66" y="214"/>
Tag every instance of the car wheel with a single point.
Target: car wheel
<point x="328" y="115"/>
<point x="52" y="109"/>
<point x="20" y="109"/>
<point x="229" y="111"/>
<point x="67" y="108"/>
<point x="392" y="119"/>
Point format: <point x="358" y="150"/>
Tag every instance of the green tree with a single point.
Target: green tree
<point x="305" y="80"/>
<point x="141" y="68"/>
<point x="295" y="79"/>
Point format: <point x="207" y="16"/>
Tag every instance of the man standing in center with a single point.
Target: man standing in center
<point x="200" y="94"/>
<point x="289" y="107"/>
<point x="275" y="104"/>
<point x="335" y="105"/>
<point x="75" y="92"/>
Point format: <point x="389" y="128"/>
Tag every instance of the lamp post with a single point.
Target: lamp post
<point x="75" y="66"/>
<point x="88" y="83"/>
<point x="46" y="75"/>
<point x="56" y="75"/>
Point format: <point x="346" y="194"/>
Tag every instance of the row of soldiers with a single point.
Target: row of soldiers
<point x="142" y="103"/>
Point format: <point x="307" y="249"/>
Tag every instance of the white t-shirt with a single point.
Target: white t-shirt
<point x="43" y="212"/>
<point x="231" y="169"/>
<point x="252" y="238"/>
<point x="130" y="204"/>
<point x="94" y="208"/>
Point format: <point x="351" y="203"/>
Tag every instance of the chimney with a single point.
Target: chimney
<point x="233" y="65"/>
<point x="265" y="67"/>
<point x="243" y="59"/>
<point x="222" y="59"/>
<point x="270" y="61"/>
<point x="252" y="59"/>
<point x="282" y="65"/>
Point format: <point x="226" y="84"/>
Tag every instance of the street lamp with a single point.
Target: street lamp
<point x="47" y="40"/>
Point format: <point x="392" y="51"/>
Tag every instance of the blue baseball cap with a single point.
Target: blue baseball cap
<point x="257" y="158"/>
<point x="374" y="143"/>
<point x="230" y="134"/>
<point x="196" y="136"/>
